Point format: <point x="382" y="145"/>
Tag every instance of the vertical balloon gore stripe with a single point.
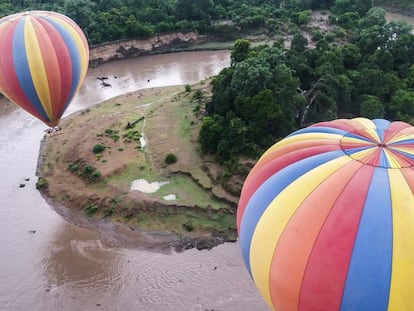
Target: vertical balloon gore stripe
<point x="59" y="71"/>
<point x="277" y="215"/>
<point x="296" y="243"/>
<point x="367" y="285"/>
<point x="33" y="40"/>
<point x="265" y="194"/>
<point x="331" y="254"/>
<point x="265" y="169"/>
<point x="8" y="80"/>
<point x="402" y="277"/>
<point x="22" y="70"/>
<point x="75" y="45"/>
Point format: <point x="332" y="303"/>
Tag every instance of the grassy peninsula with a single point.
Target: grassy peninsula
<point x="89" y="166"/>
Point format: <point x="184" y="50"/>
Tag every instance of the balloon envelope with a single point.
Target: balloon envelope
<point x="326" y="218"/>
<point x="44" y="60"/>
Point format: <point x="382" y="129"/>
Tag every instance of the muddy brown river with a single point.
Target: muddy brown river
<point x="49" y="264"/>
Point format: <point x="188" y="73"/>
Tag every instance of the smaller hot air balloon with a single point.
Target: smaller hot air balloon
<point x="326" y="218"/>
<point x="44" y="60"/>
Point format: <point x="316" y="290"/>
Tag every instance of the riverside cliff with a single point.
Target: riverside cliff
<point x="137" y="47"/>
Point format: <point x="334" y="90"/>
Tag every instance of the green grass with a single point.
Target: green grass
<point x="133" y="171"/>
<point x="188" y="192"/>
<point x="176" y="221"/>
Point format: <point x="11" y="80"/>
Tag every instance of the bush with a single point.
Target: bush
<point x="41" y="183"/>
<point x="115" y="137"/>
<point x="198" y="94"/>
<point x="188" y="226"/>
<point x="91" y="210"/>
<point x="96" y="175"/>
<point x="188" y="88"/>
<point x="88" y="170"/>
<point x="170" y="158"/>
<point x="98" y="148"/>
<point x="74" y="167"/>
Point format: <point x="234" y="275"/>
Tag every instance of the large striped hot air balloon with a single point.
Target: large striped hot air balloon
<point x="44" y="58"/>
<point x="326" y="218"/>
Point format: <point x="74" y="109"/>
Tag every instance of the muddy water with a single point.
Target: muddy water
<point x="49" y="264"/>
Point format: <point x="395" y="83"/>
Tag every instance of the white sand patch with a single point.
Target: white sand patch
<point x="145" y="186"/>
<point x="143" y="141"/>
<point x="170" y="197"/>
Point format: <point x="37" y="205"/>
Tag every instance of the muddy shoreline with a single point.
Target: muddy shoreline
<point x="118" y="234"/>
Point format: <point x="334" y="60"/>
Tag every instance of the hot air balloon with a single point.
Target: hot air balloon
<point x="326" y="218"/>
<point x="44" y="60"/>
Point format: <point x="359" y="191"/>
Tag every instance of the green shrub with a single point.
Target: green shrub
<point x="91" y="210"/>
<point x="41" y="183"/>
<point x="188" y="226"/>
<point x="115" y="137"/>
<point x="74" y="167"/>
<point x="188" y="88"/>
<point x="96" y="175"/>
<point x="88" y="170"/>
<point x="170" y="158"/>
<point x="98" y="148"/>
<point x="121" y="149"/>
<point x="198" y="94"/>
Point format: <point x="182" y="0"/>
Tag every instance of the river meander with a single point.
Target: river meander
<point x="50" y="264"/>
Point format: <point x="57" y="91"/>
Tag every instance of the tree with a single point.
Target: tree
<point x="402" y="105"/>
<point x="251" y="76"/>
<point x="371" y="107"/>
<point x="210" y="133"/>
<point x="240" y="51"/>
<point x="374" y="17"/>
<point x="234" y="139"/>
<point x="351" y="55"/>
<point x="223" y="94"/>
<point x="302" y="18"/>
<point x="81" y="11"/>
<point x="299" y="43"/>
<point x="268" y="118"/>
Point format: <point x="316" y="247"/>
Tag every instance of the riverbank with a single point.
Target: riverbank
<point x="136" y="132"/>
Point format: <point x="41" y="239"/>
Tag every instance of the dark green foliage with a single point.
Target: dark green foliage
<point x="91" y="210"/>
<point x="170" y="158"/>
<point x="240" y="51"/>
<point x="365" y="69"/>
<point x="371" y="107"/>
<point x="105" y="21"/>
<point x="198" y="95"/>
<point x="188" y="226"/>
<point x="98" y="148"/>
<point x="42" y="183"/>
<point x="74" y="167"/>
<point x="86" y="171"/>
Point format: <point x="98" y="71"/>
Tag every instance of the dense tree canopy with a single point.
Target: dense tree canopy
<point x="107" y="20"/>
<point x="365" y="68"/>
